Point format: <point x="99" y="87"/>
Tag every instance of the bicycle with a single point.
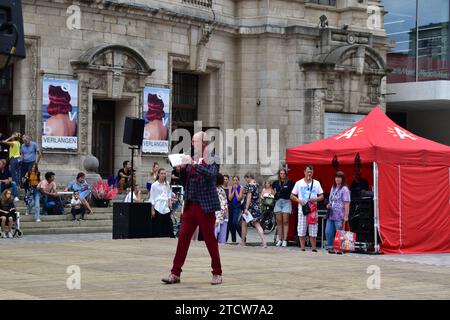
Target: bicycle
<point x="269" y="221"/>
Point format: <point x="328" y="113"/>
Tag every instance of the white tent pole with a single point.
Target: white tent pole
<point x="375" y="203"/>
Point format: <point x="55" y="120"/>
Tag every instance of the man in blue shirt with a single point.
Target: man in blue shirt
<point x="30" y="154"/>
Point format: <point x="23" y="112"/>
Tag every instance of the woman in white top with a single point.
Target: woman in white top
<point x="160" y="198"/>
<point x="136" y="195"/>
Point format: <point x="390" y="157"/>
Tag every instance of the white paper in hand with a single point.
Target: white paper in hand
<point x="178" y="159"/>
<point x="247" y="217"/>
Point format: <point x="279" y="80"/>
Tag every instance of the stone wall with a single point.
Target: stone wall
<point x="250" y="56"/>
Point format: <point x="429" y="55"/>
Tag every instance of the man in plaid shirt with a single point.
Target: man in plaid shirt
<point x="201" y="203"/>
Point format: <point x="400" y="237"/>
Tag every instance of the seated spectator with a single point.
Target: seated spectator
<point x="84" y="189"/>
<point x="77" y="206"/>
<point x="50" y="197"/>
<point x="32" y="197"/>
<point x="6" y="180"/>
<point x="136" y="195"/>
<point x="7" y="213"/>
<point x="124" y="175"/>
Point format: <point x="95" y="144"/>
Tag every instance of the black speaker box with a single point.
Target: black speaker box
<point x="133" y="133"/>
<point x="132" y="220"/>
<point x="11" y="13"/>
<point x="361" y="220"/>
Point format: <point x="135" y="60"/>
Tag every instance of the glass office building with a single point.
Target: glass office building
<point x="418" y="91"/>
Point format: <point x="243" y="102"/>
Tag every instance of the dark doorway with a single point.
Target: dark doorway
<point x="103" y="121"/>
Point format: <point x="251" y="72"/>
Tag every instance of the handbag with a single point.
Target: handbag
<point x="313" y="218"/>
<point x="344" y="240"/>
<point x="306" y="209"/>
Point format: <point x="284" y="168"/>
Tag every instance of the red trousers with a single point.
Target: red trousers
<point x="194" y="216"/>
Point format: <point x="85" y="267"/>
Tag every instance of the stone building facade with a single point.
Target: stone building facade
<point x="263" y="64"/>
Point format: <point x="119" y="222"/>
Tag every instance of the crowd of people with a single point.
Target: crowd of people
<point x="240" y="205"/>
<point x="19" y="170"/>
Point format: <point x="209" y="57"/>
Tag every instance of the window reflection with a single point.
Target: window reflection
<point x="431" y="43"/>
<point x="433" y="40"/>
<point x="398" y="22"/>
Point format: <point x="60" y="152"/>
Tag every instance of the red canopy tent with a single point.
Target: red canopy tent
<point x="410" y="178"/>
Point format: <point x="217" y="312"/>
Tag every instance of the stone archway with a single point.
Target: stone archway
<point x="112" y="72"/>
<point x="354" y="81"/>
<point x="347" y="79"/>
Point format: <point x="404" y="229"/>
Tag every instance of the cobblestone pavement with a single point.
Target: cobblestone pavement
<point x="253" y="239"/>
<point x="132" y="269"/>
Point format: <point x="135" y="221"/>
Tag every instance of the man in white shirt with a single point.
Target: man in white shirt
<point x="307" y="190"/>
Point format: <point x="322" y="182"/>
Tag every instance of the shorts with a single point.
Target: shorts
<point x="283" y="205"/>
<point x="302" y="226"/>
<point x="13" y="215"/>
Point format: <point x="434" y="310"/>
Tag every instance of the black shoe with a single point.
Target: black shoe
<point x="339" y="252"/>
<point x="73" y="219"/>
<point x="331" y="252"/>
<point x="314" y="250"/>
<point x="303" y="249"/>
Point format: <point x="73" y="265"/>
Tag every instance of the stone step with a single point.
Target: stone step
<point x="67" y="217"/>
<point x="22" y="210"/>
<point x="69" y="230"/>
<point x="26" y="226"/>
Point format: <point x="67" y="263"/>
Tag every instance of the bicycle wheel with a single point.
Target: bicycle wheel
<point x="269" y="224"/>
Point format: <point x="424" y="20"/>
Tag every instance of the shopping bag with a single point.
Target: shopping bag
<point x="344" y="240"/>
<point x="313" y="217"/>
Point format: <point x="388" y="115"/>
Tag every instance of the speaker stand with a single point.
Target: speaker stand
<point x="132" y="148"/>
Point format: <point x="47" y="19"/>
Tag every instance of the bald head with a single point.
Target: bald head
<point x="199" y="142"/>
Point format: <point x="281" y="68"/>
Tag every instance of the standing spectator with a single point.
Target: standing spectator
<point x="6" y="181"/>
<point x="307" y="190"/>
<point x="267" y="190"/>
<point x="340" y="207"/>
<point x="51" y="199"/>
<point x="30" y="154"/>
<point x="252" y="206"/>
<point x="124" y="176"/>
<point x="226" y="185"/>
<point x="7" y="213"/>
<point x="175" y="177"/>
<point x="76" y="205"/>
<point x="222" y="214"/>
<point x="283" y="206"/>
<point x="83" y="187"/>
<point x="161" y="200"/>
<point x="30" y="181"/>
<point x="235" y="196"/>
<point x="14" y="156"/>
